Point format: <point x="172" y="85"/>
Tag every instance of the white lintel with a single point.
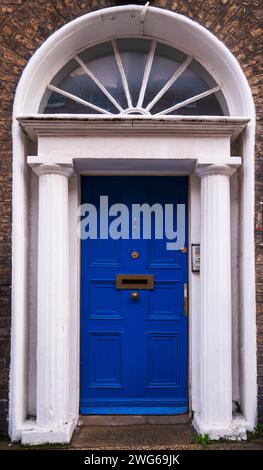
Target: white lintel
<point x="66" y="140"/>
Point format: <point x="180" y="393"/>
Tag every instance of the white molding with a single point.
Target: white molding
<point x="64" y="141"/>
<point x="52" y="169"/>
<point x="124" y="21"/>
<point x="53" y="124"/>
<point x="224" y="170"/>
<point x="87" y="30"/>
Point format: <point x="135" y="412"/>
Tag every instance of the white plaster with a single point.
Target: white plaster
<point x="89" y="29"/>
<point x="156" y="147"/>
<point x="33" y="434"/>
<point x="235" y="431"/>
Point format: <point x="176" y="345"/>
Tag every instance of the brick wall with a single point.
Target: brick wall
<point x="25" y="25"/>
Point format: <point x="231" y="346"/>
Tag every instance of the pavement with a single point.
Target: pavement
<point x="150" y="437"/>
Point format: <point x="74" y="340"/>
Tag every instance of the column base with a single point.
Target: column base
<point x="235" y="431"/>
<point x="33" y="434"/>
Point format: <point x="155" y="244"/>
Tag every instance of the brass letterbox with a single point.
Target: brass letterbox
<point x="135" y="281"/>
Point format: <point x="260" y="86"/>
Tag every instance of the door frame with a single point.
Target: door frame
<point x="183" y="33"/>
<point x="162" y="150"/>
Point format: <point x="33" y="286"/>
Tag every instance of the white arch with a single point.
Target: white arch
<point x="188" y="36"/>
<point x="99" y="26"/>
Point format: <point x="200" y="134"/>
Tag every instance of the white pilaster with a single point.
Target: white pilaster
<point x="215" y="417"/>
<point x="52" y="424"/>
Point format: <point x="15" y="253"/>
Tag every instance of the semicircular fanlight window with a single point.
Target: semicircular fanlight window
<point x="133" y="76"/>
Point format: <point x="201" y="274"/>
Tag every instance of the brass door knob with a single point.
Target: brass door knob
<point x="134" y="295"/>
<point x="135" y="254"/>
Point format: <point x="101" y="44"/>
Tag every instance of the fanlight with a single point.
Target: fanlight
<point x="133" y="76"/>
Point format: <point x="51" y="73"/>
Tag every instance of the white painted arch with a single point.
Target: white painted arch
<point x="186" y="35"/>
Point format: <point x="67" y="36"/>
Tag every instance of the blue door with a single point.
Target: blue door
<point x="134" y="340"/>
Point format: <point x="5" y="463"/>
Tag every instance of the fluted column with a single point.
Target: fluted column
<point x="215" y="271"/>
<point x="52" y="307"/>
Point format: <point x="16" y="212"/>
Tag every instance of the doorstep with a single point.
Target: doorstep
<point x="143" y="436"/>
<point x="132" y="420"/>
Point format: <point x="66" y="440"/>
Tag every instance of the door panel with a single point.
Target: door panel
<point x="163" y="355"/>
<point x="133" y="353"/>
<point x="105" y="374"/>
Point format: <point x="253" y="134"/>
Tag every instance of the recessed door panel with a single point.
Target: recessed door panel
<point x="163" y="360"/>
<point x="165" y="303"/>
<point x="102" y="303"/>
<point x="104" y="361"/>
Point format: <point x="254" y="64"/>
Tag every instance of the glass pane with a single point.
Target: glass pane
<point x="222" y="104"/>
<point x="208" y="106"/>
<point x="166" y="62"/>
<point x="185" y="87"/>
<point x="76" y="81"/>
<point x="193" y="81"/>
<point x="58" y="104"/>
<point x="134" y="54"/>
<point x="101" y="61"/>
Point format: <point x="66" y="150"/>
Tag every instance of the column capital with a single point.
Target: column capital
<point x="53" y="168"/>
<point x="213" y="169"/>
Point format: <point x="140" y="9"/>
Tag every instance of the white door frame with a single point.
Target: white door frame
<point x="183" y="34"/>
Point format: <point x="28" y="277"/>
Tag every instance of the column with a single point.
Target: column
<point x="215" y="270"/>
<point x="53" y="307"/>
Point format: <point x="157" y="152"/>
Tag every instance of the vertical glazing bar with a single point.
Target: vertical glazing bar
<point x="147" y="72"/>
<point x="122" y="73"/>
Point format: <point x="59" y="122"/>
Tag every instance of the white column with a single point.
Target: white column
<point x="52" y="423"/>
<point x="215" y="269"/>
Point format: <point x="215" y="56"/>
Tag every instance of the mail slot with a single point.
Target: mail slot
<point x="134" y="281"/>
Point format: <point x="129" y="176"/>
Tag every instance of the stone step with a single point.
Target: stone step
<point x="131" y="420"/>
<point x="133" y="437"/>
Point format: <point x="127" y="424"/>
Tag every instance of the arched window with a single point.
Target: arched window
<point x="133" y="76"/>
